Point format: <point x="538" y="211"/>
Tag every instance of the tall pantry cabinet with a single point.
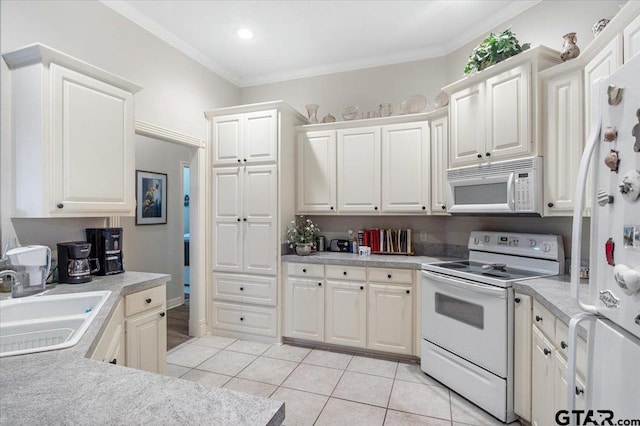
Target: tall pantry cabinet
<point x="252" y="201"/>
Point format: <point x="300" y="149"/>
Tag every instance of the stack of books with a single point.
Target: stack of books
<point x="388" y="241"/>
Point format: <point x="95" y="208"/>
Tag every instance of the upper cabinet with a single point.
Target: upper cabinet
<point x="631" y="39"/>
<point x="73" y="137"/>
<point x="439" y="161"/>
<point x="245" y="138"/>
<point x="493" y="114"/>
<point x="317" y="187"/>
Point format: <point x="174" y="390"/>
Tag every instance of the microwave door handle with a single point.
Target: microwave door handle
<point x="510" y="195"/>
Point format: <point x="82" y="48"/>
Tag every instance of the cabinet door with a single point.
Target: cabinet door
<point x="359" y="170"/>
<point x="147" y="341"/>
<point x="390" y="318"/>
<point x="346" y="319"/>
<point x="93" y="148"/>
<point x="260" y="137"/>
<point x="110" y="347"/>
<point x="542" y="400"/>
<point x="439" y="161"/>
<point x="227" y="139"/>
<point x="631" y="39"/>
<point x="560" y="385"/>
<point x="260" y="242"/>
<point x="227" y="219"/>
<point x="317" y="172"/>
<point x="467" y="121"/>
<point x="564" y="142"/>
<point x="405" y="168"/>
<point x="522" y="357"/>
<point x="305" y="309"/>
<point x="508" y="112"/>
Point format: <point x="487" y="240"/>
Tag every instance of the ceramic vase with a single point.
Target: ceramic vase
<point x="303" y="249"/>
<point x="312" y="111"/>
<point x="569" y="49"/>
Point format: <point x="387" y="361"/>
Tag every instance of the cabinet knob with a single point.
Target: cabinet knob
<point x="546" y="351"/>
<point x="244" y="219"/>
<point x="319" y="284"/>
<point x="245" y="160"/>
<point x="389" y="276"/>
<point x="148" y="300"/>
<point x="444" y="207"/>
<point x="344" y="273"/>
<point x="241" y="288"/>
<point x="331" y="207"/>
<point x="375" y="208"/>
<point x="549" y="205"/>
<point x="238" y="219"/>
<point x="538" y="318"/>
<point x="361" y="287"/>
<point x="517" y="300"/>
<point x="162" y="314"/>
<point x="408" y="291"/>
<point x="239" y="161"/>
<point x="564" y="345"/>
<point x="424" y="208"/>
<point x="488" y="154"/>
<point x="304" y="270"/>
<point x="579" y="391"/>
<point x="241" y="318"/>
<point x="59" y="205"/>
<point x="113" y="361"/>
<point x="479" y="155"/>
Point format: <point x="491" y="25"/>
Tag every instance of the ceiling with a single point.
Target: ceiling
<point x="296" y="39"/>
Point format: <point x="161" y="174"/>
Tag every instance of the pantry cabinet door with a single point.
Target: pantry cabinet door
<point x="631" y="39"/>
<point x="304" y="309"/>
<point x="405" y="168"/>
<point x="542" y="382"/>
<point x="227" y="137"/>
<point x="508" y="112"/>
<point x="260" y="186"/>
<point x="260" y="137"/>
<point x="317" y="172"/>
<point x="93" y="149"/>
<point x="359" y="170"/>
<point x="390" y="318"/>
<point x="227" y="219"/>
<point x="439" y="161"/>
<point x="467" y="121"/>
<point x="346" y="319"/>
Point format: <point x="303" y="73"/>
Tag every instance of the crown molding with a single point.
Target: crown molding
<point x="157" y="132"/>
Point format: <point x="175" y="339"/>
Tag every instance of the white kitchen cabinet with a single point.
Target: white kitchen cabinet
<point x="359" y="168"/>
<point x="560" y="385"/>
<point x="73" y="137"/>
<point x="542" y="380"/>
<point x="631" y="39"/>
<point x="493" y="114"/>
<point x="316" y="185"/>
<point x="390" y="318"/>
<point x="346" y="313"/>
<point x="245" y="138"/>
<point x="439" y="162"/>
<point x="563" y="141"/>
<point x="244" y="217"/>
<point x="147" y="341"/>
<point x="111" y="346"/>
<point x="522" y="356"/>
<point x="405" y="168"/>
<point x="304" y="308"/>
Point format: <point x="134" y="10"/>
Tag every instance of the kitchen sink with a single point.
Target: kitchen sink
<point x="45" y="323"/>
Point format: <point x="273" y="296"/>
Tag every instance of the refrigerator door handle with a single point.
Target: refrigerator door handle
<point x="571" y="357"/>
<point x="598" y="89"/>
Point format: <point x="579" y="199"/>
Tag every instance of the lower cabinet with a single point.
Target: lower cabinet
<point x="136" y="335"/>
<point x="343" y="306"/>
<point x="542" y="381"/>
<point x="390" y="318"/>
<point x="522" y="357"/>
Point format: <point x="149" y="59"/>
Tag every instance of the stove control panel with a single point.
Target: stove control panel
<point x="544" y="246"/>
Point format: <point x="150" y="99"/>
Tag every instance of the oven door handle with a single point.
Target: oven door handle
<point x="466" y="285"/>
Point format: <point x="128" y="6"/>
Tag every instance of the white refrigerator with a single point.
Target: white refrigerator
<point x="612" y="155"/>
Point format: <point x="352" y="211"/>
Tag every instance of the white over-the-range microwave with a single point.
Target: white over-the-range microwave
<point x="501" y="187"/>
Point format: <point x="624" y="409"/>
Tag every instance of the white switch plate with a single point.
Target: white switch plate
<point x="423" y="236"/>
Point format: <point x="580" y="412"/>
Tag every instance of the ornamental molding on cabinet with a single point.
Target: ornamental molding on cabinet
<point x="151" y="130"/>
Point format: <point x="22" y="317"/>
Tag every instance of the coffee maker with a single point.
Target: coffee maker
<point x="106" y="247"/>
<point x="73" y="262"/>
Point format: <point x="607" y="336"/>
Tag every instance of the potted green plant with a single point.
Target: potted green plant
<point x="493" y="49"/>
<point x="302" y="235"/>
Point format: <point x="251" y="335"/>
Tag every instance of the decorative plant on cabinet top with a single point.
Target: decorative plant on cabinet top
<point x="493" y="49"/>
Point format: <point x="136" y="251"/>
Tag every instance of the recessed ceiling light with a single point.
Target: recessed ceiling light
<point x="244" y="33"/>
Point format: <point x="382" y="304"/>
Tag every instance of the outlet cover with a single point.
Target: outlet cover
<point x="423" y="236"/>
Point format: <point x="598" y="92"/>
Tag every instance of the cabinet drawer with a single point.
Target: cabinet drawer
<point x="245" y="319"/>
<point x="305" y="270"/>
<point x="143" y="300"/>
<point x="544" y="320"/>
<point x="400" y="276"/>
<point x="562" y="339"/>
<point x="350" y="273"/>
<point x="245" y="289"/>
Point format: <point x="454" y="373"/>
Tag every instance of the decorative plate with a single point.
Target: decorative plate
<point x="441" y="101"/>
<point x="415" y="104"/>
<point x="350" y="113"/>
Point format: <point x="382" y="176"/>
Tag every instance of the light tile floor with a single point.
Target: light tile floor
<point x="322" y="387"/>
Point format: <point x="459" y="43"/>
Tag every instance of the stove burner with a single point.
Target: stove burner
<point x="496" y="266"/>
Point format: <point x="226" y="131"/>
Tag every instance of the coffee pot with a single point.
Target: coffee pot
<point x="73" y="262"/>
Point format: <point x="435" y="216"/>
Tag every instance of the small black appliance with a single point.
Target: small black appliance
<point x="106" y="247"/>
<point x="73" y="262"/>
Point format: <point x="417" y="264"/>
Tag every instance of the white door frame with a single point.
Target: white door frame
<point x="197" y="219"/>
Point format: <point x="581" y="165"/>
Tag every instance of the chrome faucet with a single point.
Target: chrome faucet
<point x="16" y="287"/>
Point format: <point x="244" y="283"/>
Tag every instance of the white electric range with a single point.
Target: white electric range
<point x="467" y="314"/>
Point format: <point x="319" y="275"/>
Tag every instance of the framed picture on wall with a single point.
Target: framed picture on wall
<point x="151" y="198"/>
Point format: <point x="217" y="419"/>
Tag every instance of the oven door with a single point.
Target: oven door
<point x="484" y="194"/>
<point x="467" y="318"/>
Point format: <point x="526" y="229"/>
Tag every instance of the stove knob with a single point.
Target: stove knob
<point x="546" y="247"/>
<point x="627" y="279"/>
<point x="532" y="243"/>
<point x="487" y="238"/>
<point x="476" y="241"/>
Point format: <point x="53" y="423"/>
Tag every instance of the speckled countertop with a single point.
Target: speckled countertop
<point x="552" y="292"/>
<point x="65" y="387"/>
